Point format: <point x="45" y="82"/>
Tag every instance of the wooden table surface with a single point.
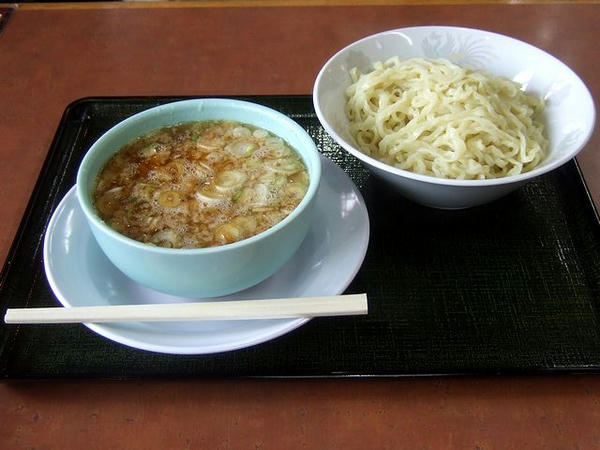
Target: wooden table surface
<point x="53" y="54"/>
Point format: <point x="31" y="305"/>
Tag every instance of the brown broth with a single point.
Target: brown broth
<point x="200" y="184"/>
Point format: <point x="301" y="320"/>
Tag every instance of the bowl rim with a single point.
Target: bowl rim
<point x="537" y="171"/>
<point x="309" y="149"/>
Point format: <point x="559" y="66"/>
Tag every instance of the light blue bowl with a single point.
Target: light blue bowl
<point x="203" y="272"/>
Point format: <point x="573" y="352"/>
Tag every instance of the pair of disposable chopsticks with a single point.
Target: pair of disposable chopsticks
<point x="277" y="308"/>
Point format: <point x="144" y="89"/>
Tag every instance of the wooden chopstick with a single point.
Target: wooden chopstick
<point x="339" y="305"/>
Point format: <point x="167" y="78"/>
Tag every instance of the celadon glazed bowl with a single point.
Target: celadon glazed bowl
<point x="202" y="272"/>
<point x="569" y="113"/>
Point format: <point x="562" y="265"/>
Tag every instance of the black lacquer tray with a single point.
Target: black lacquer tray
<point x="510" y="287"/>
<point x="5" y="13"/>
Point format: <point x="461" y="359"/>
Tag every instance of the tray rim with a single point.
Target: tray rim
<point x="37" y="191"/>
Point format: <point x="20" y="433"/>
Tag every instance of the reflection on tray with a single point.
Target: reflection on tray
<point x="5" y="14"/>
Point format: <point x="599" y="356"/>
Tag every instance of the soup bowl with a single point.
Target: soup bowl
<point x="568" y="116"/>
<point x="211" y="271"/>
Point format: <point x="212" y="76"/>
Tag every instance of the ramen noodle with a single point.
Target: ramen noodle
<point x="200" y="184"/>
<point x="435" y="118"/>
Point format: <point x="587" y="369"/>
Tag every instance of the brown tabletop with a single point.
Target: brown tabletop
<point x="51" y="55"/>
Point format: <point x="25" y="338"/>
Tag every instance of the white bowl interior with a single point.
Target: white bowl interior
<point x="569" y="114"/>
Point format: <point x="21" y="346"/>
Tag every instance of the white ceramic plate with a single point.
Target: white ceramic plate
<point x="80" y="274"/>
